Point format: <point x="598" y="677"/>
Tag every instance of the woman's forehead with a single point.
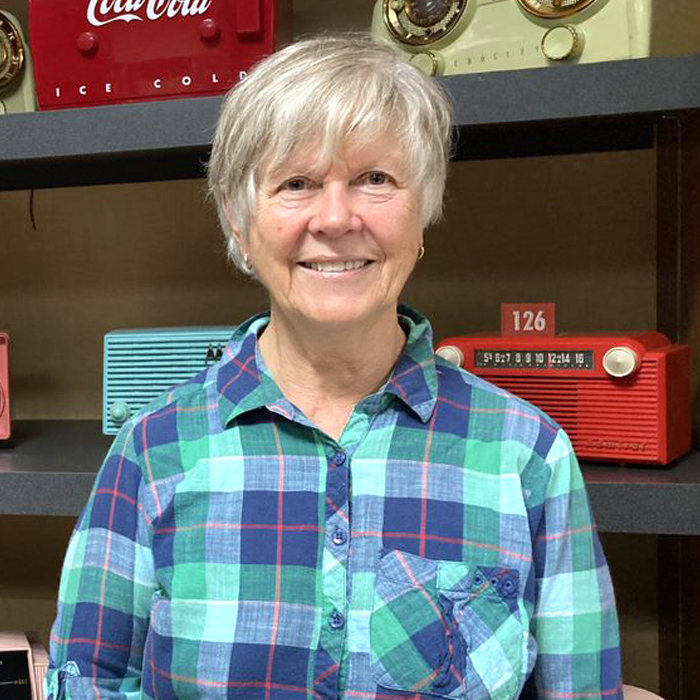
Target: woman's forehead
<point x="352" y="153"/>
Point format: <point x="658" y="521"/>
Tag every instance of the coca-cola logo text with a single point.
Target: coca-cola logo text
<point x="101" y="12"/>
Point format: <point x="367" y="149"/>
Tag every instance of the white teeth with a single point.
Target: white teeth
<point x="337" y="266"/>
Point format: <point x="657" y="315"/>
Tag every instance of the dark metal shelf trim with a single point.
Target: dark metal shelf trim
<point x="51" y="467"/>
<point x="612" y="89"/>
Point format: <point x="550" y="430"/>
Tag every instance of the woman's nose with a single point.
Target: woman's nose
<point x="335" y="212"/>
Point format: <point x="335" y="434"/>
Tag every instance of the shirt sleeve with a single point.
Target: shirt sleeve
<point x="107" y="583"/>
<point x="575" y="620"/>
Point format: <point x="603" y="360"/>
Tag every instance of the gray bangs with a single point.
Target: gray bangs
<point x="347" y="113"/>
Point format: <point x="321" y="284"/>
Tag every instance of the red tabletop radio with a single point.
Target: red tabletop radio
<point x="4" y="386"/>
<point x="89" y="52"/>
<point x="622" y="398"/>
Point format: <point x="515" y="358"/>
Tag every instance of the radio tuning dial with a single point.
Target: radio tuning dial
<point x="563" y="42"/>
<point x="209" y="30"/>
<point x="429" y="62"/>
<point x="87" y="42"/>
<point x="452" y="354"/>
<point x="620" y="361"/>
<point x="422" y="22"/>
<point x="119" y="411"/>
<point x="11" y="53"/>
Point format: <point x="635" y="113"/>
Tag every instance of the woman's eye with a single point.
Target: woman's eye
<point x="296" y="184"/>
<point x="377" y="178"/>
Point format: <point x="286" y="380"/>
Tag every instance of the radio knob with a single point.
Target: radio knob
<point x="563" y="42"/>
<point x="209" y="30"/>
<point x="620" y="361"/>
<point x="87" y="42"/>
<point x="119" y="411"/>
<point x="429" y="62"/>
<point x="452" y="354"/>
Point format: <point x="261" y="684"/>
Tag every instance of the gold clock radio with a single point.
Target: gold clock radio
<point x="446" y="37"/>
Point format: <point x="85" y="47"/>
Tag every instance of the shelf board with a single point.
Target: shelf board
<point x="50" y="466"/>
<point x="502" y="113"/>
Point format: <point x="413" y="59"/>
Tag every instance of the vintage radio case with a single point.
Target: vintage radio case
<point x="91" y="52"/>
<point x="23" y="666"/>
<point x="4" y="386"/>
<point x="141" y="364"/>
<point x="16" y="71"/>
<point x="447" y="37"/>
<point x="621" y="398"/>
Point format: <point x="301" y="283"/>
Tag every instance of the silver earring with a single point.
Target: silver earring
<point x="421" y="252"/>
<point x="246" y="263"/>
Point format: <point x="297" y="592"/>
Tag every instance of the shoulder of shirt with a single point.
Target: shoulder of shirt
<point x="483" y="395"/>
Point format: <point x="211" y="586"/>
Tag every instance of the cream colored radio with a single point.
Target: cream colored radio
<point x="445" y="37"/>
<point x="16" y="75"/>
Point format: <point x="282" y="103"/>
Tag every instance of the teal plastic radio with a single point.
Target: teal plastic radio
<point x="141" y="364"/>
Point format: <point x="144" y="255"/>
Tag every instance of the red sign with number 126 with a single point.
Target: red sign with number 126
<point x="528" y="319"/>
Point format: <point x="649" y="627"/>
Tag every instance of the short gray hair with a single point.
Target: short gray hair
<point x="322" y="90"/>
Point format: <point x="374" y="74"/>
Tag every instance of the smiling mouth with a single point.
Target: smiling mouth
<point x="339" y="266"/>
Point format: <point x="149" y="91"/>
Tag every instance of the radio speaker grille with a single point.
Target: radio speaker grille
<point x="620" y="416"/>
<point x="140" y="365"/>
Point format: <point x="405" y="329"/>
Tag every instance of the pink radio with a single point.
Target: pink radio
<point x="91" y="52"/>
<point x="620" y="397"/>
<point x="4" y="386"/>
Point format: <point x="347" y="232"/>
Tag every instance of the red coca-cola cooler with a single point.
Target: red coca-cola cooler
<point x="91" y="52"/>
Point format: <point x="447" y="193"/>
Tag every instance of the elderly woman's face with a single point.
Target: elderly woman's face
<point x="335" y="242"/>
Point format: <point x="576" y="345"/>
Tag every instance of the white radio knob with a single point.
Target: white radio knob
<point x="429" y="62"/>
<point x="451" y="354"/>
<point x="620" y="361"/>
<point x="563" y="42"/>
<point x="119" y="411"/>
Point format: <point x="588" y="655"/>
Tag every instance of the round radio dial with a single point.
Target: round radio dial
<point x="563" y="42"/>
<point x="11" y="53"/>
<point x="452" y="354"/>
<point x="119" y="411"/>
<point x="421" y="22"/>
<point x="620" y="361"/>
<point x="87" y="42"/>
<point x="209" y="30"/>
<point x="429" y="62"/>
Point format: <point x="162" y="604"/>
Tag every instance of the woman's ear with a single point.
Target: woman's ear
<point x="235" y="230"/>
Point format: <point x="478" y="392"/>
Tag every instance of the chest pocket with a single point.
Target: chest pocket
<point x="447" y="629"/>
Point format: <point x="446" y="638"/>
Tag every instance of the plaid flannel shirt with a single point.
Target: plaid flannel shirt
<point x="443" y="547"/>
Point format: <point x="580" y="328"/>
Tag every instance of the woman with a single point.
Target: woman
<point x="331" y="511"/>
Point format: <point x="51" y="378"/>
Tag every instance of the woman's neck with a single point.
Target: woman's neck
<point x="327" y="371"/>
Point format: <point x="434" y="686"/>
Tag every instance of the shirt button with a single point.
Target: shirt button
<point x="339" y="536"/>
<point x="339" y="458"/>
<point x="337" y="621"/>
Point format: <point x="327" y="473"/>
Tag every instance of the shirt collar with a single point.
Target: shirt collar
<point x="244" y="384"/>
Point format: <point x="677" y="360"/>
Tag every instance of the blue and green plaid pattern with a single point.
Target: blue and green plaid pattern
<point x="442" y="548"/>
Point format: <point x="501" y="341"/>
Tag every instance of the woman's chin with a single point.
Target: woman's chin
<point x="337" y="313"/>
